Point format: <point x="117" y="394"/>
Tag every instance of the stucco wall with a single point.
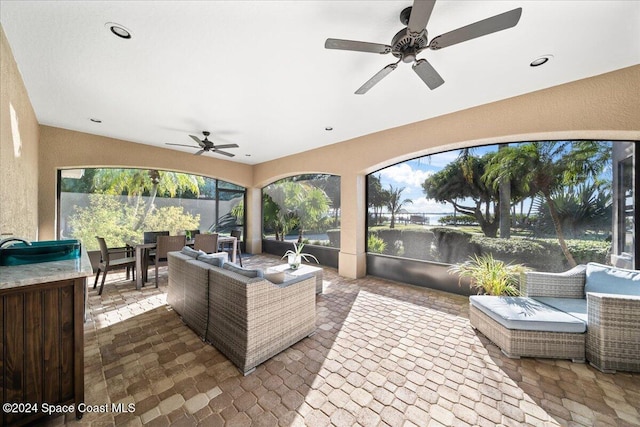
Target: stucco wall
<point x="18" y="151"/>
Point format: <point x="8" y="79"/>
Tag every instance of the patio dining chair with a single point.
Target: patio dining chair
<point x="150" y="254"/>
<point x="206" y="242"/>
<point x="166" y="244"/>
<point x="107" y="264"/>
<point x="152" y="236"/>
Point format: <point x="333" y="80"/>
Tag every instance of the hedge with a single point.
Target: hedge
<point x="452" y="246"/>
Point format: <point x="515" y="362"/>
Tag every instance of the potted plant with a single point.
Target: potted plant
<point x="295" y="257"/>
<point x="491" y="276"/>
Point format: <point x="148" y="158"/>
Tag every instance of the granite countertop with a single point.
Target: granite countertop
<point x="45" y="272"/>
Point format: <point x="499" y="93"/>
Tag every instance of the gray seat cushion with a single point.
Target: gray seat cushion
<point x="527" y="314"/>
<point x="577" y="307"/>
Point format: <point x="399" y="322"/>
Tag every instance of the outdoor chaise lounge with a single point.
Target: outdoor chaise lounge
<point x="590" y="312"/>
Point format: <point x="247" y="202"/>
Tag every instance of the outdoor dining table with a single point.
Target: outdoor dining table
<point x="141" y="249"/>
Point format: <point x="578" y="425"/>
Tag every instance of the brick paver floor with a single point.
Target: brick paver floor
<point x="384" y="354"/>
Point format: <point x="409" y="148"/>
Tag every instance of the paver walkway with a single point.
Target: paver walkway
<point x="383" y="354"/>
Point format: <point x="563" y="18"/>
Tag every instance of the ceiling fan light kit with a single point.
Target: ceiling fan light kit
<point x="207" y="146"/>
<point x="412" y="40"/>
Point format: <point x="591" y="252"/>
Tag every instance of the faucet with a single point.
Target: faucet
<point x="14" y="239"/>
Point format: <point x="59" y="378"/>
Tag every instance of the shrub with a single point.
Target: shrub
<point x="452" y="245"/>
<point x="490" y="276"/>
<point x="375" y="244"/>
<point x="107" y="217"/>
<point x="334" y="237"/>
<point x="532" y="253"/>
<point x="390" y="237"/>
<point x="417" y="244"/>
<point x="542" y="254"/>
<point x="458" y="220"/>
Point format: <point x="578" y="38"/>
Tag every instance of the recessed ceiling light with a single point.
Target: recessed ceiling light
<point x="96" y="120"/>
<point x="541" y="60"/>
<point x="328" y="128"/>
<point x="118" y="30"/>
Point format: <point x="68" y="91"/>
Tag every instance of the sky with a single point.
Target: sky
<point x="411" y="174"/>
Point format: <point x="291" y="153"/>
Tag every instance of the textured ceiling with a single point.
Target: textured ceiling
<point x="256" y="73"/>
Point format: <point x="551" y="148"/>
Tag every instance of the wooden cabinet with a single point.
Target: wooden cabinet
<point x="42" y="348"/>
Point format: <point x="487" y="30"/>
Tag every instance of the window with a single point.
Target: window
<point x="445" y="207"/>
<point x="303" y="208"/>
<point x="626" y="213"/>
<point x="120" y="204"/>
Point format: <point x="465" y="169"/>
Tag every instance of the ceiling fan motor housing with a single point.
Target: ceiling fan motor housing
<point x="406" y="47"/>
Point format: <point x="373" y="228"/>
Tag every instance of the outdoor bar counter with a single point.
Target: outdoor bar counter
<point x="41" y="320"/>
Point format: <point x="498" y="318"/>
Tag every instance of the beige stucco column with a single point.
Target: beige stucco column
<point x="352" y="261"/>
<point x="253" y="239"/>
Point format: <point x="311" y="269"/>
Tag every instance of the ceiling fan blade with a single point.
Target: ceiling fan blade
<point x="427" y="73"/>
<point x="227" y="146"/>
<point x="357" y="46"/>
<point x="375" y="79"/>
<point x="477" y="29"/>
<point x="197" y="153"/>
<point x="420" y="14"/>
<point x="182" y="145"/>
<point x="224" y="153"/>
<point x="196" y="139"/>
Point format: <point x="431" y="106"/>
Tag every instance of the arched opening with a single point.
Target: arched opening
<point x="545" y="205"/>
<point x="303" y="209"/>
<point x="120" y="204"/>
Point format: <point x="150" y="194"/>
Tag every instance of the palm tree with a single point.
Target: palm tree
<point x="394" y="204"/>
<point x="313" y="204"/>
<point x="546" y="166"/>
<point x="376" y="196"/>
<point x="136" y="183"/>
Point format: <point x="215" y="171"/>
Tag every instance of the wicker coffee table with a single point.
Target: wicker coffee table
<point x="302" y="270"/>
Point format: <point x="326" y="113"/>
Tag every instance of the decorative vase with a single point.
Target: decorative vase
<point x="294" y="261"/>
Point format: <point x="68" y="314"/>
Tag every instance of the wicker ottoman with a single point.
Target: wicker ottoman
<point x="525" y="327"/>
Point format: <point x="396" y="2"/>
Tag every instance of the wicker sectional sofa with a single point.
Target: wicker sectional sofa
<point x="590" y="312"/>
<point x="243" y="314"/>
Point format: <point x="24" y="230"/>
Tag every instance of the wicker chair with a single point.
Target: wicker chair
<point x="188" y="291"/>
<point x="613" y="318"/>
<point x="249" y="319"/>
<point x="252" y="320"/>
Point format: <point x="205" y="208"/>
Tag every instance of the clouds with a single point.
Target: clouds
<point x="404" y="174"/>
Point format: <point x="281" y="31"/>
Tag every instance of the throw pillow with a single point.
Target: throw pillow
<point x="216" y="260"/>
<point x="190" y="251"/>
<point x="241" y="270"/>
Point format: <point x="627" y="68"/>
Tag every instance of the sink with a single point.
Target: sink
<point x="43" y="251"/>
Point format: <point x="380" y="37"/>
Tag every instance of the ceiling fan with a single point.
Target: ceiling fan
<point x="413" y="39"/>
<point x="205" y="145"/>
